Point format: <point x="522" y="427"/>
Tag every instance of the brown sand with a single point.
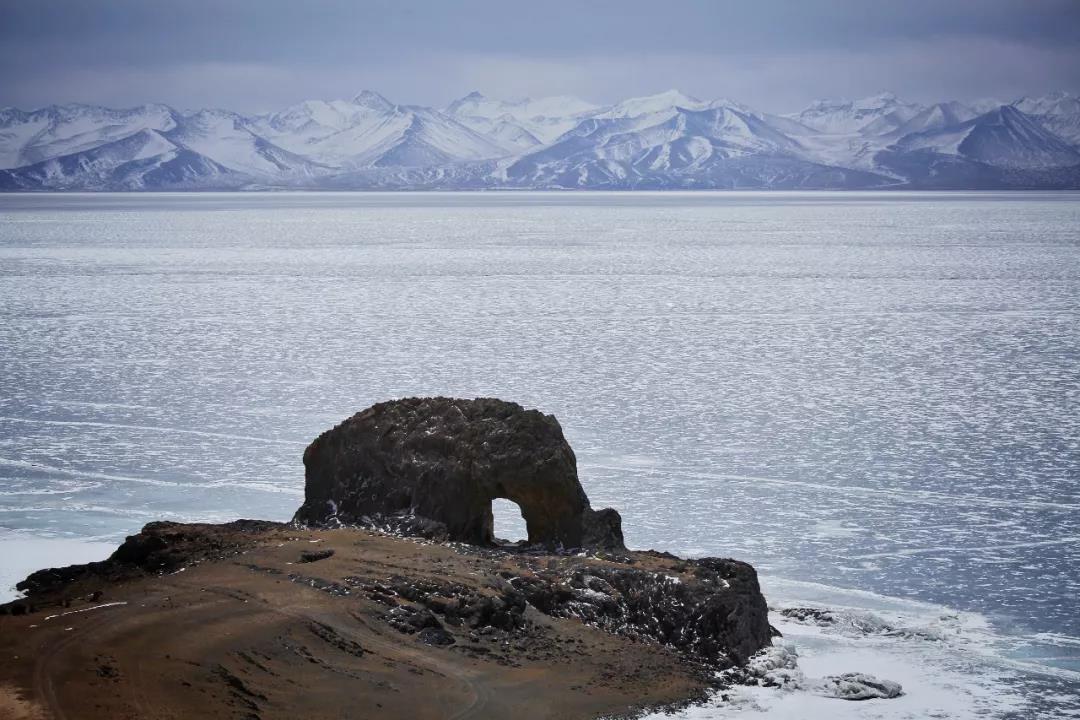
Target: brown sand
<point x="235" y="637"/>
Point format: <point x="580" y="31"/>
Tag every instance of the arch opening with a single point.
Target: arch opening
<point x="509" y="523"/>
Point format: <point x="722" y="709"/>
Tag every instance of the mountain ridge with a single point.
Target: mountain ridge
<point x="666" y="140"/>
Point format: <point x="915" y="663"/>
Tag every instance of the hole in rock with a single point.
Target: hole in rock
<point x="509" y="524"/>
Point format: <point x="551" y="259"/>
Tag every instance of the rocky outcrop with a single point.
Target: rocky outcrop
<point x="710" y="610"/>
<point x="158" y="547"/>
<point x="433" y="466"/>
<point x="608" y="624"/>
<point x="616" y="627"/>
<point x="777" y="666"/>
<point x="272" y="620"/>
<point x="860" y="686"/>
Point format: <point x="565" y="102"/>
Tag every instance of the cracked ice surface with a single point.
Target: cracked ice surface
<point x="877" y="392"/>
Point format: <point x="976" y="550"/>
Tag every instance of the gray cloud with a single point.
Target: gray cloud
<point x="775" y="55"/>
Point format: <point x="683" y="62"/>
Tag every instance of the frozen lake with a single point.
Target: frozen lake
<point x="874" y="398"/>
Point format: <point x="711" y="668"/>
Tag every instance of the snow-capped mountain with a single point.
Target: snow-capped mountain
<point x="145" y="160"/>
<point x="30" y="137"/>
<point x="229" y="140"/>
<point x="1058" y="112"/>
<point x="1005" y="138"/>
<point x="1003" y="148"/>
<point x="666" y="140"/>
<point x="651" y="105"/>
<point x="938" y="116"/>
<point x="520" y="124"/>
<point x="873" y="115"/>
<point x="667" y="144"/>
<point x="477" y="105"/>
<point x="372" y="131"/>
<point x="510" y="133"/>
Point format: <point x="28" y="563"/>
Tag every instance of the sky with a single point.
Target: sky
<point x="777" y="56"/>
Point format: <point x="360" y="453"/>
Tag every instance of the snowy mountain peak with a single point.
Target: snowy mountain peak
<point x="668" y="98"/>
<point x="673" y="95"/>
<point x="1053" y="97"/>
<point x="1053" y="103"/>
<point x="881" y="100"/>
<point x="669" y="139"/>
<point x="983" y="105"/>
<point x="877" y="114"/>
<point x="936" y="117"/>
<point x="872" y="102"/>
<point x="519" y="124"/>
<point x="1004" y="137"/>
<point x="665" y="102"/>
<point x="1058" y="112"/>
<point x="476" y="104"/>
<point x="728" y="103"/>
<point x="1008" y="112"/>
<point x="216" y="114"/>
<point x="373" y="101"/>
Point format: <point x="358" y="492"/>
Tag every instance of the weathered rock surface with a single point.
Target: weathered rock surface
<point x="159" y="547"/>
<point x="337" y="604"/>
<point x="776" y="666"/>
<point x="421" y="629"/>
<point x="222" y="623"/>
<point x="860" y="686"/>
<point x="710" y="610"/>
<point x="432" y="466"/>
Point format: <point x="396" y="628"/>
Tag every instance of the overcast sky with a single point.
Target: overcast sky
<point x="778" y="56"/>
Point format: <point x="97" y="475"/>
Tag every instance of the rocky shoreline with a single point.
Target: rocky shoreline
<point x="389" y="593"/>
<point x="254" y="619"/>
<point x="710" y="610"/>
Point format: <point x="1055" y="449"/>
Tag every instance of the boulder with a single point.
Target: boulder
<point x="860" y="686"/>
<point x="439" y="462"/>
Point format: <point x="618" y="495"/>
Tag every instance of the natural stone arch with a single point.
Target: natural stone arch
<point x="444" y="460"/>
<point x="508" y="524"/>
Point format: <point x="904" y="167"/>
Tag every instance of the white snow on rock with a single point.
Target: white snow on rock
<point x="877" y="114"/>
<point x="227" y="138"/>
<point x="520" y="124"/>
<point x="31" y="137"/>
<point x="1059" y="112"/>
<point x="477" y="105"/>
<point x="902" y="659"/>
<point x="1005" y="137"/>
<point x="665" y="102"/>
<point x="860" y="686"/>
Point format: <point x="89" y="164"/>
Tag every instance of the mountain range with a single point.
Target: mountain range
<point x="665" y="141"/>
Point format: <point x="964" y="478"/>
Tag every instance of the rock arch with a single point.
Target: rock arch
<point x="507" y="521"/>
<point x="442" y="461"/>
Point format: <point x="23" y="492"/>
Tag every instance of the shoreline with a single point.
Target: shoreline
<point x="927" y="666"/>
<point x="268" y="616"/>
<point x="24" y="553"/>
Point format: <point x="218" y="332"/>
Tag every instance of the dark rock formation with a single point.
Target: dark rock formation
<point x="439" y="462"/>
<point x="505" y="604"/>
<point x="716" y="613"/>
<point x="159" y="547"/>
<point x="710" y="610"/>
